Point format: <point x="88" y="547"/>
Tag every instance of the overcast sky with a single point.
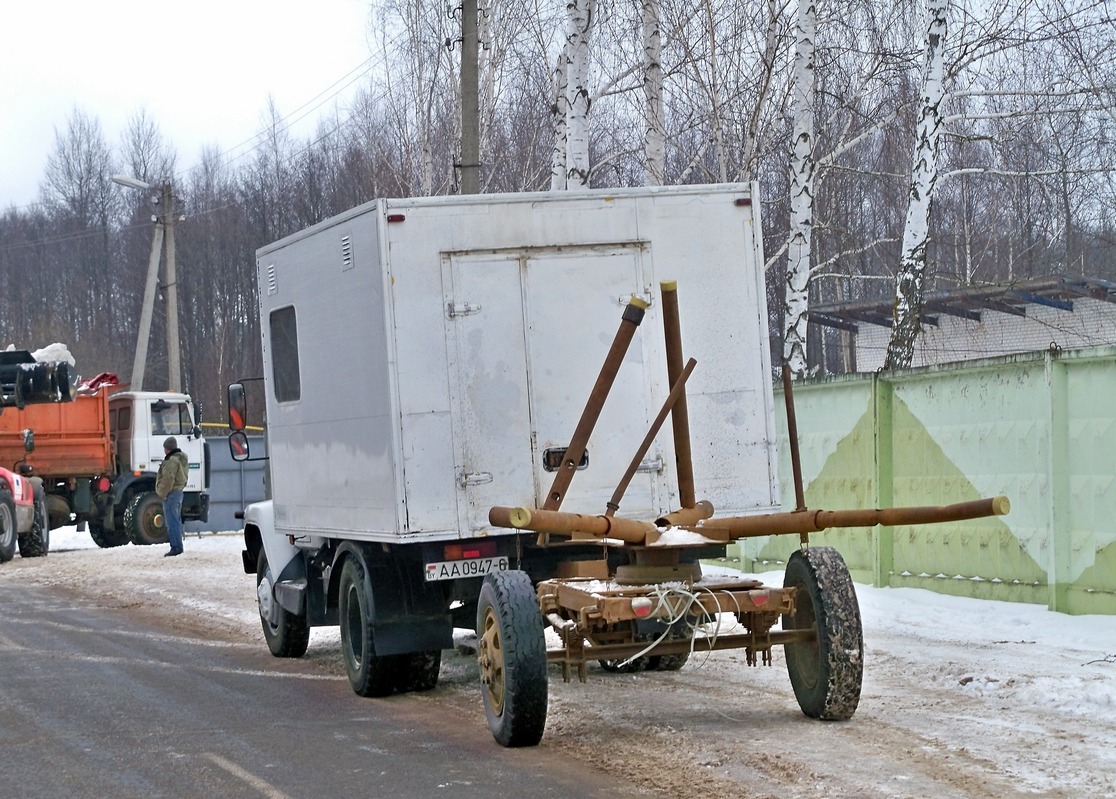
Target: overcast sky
<point x="203" y="71"/>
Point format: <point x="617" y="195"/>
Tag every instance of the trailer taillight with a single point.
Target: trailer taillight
<point x="101" y="484"/>
<point x="472" y="549"/>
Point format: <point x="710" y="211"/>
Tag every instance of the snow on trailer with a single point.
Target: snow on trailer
<point x="419" y="483"/>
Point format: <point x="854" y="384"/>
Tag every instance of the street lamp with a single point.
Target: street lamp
<point x="164" y="229"/>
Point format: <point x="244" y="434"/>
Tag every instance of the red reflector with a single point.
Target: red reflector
<point x="395" y="217"/>
<point x="101" y="484"/>
<point x="742" y="201"/>
<point x="473" y="549"/>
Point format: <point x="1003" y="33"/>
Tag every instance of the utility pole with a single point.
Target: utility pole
<point x="174" y="359"/>
<point x="470" y="100"/>
<point x="163" y="235"/>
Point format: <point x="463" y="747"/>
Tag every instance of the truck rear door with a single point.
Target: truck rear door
<point x="527" y="334"/>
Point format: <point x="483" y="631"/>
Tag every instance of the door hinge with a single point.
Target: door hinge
<point x="650" y="465"/>
<point x="454" y="309"/>
<point x="473" y="478"/>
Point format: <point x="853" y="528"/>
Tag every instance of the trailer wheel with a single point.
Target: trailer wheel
<point x="7" y="526"/>
<point x="512" y="654"/>
<point x="36" y="543"/>
<point x="106" y="538"/>
<point x="143" y="519"/>
<point x="825" y="673"/>
<point x="419" y="671"/>
<point x="369" y="674"/>
<point x="287" y="634"/>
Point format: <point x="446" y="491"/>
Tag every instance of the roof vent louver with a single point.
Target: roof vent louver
<point x="346" y="252"/>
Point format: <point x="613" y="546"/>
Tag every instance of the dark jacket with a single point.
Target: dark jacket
<point x="172" y="473"/>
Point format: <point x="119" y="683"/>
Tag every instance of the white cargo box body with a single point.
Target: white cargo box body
<point x="431" y="351"/>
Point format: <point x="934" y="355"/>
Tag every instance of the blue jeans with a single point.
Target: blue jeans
<point x="172" y="512"/>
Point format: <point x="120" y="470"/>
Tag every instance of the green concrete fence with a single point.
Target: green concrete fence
<point x="1039" y="428"/>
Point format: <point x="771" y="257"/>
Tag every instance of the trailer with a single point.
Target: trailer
<point x="426" y="368"/>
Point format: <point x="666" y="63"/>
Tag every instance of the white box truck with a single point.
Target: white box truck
<point x="427" y="359"/>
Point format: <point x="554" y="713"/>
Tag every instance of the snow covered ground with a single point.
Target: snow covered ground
<point x="962" y="698"/>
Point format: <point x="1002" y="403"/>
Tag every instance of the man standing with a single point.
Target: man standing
<point x="168" y="485"/>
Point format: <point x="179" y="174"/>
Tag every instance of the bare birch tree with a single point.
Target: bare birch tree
<point x="802" y="193"/>
<point x="910" y="277"/>
<point x="579" y="28"/>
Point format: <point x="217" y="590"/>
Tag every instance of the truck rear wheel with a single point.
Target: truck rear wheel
<point x="512" y="654"/>
<point x="7" y="526"/>
<point x="107" y="538"/>
<point x="369" y="674"/>
<point x="826" y="673"/>
<point x="36" y="543"/>
<point x="287" y="634"/>
<point x="143" y="519"/>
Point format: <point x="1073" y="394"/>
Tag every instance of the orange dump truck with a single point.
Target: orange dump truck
<point x="98" y="457"/>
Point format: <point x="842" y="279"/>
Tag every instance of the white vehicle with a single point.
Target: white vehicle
<point x="427" y="359"/>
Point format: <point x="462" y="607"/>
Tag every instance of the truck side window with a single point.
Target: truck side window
<point x="169" y="419"/>
<point x="124" y="421"/>
<point x="284" y="354"/>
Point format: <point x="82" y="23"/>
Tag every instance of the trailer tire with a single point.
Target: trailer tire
<point x="36" y="543"/>
<point x="419" y="671"/>
<point x="826" y="673"/>
<point x="369" y="674"/>
<point x="512" y="653"/>
<point x="143" y="519"/>
<point x="106" y="538"/>
<point x="289" y="636"/>
<point x="7" y="526"/>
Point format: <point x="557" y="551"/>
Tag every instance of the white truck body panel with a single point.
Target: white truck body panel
<point x="443" y="344"/>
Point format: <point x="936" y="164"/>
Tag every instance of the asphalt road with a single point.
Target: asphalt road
<point x="96" y="704"/>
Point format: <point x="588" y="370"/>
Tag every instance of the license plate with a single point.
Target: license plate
<point x="473" y="567"/>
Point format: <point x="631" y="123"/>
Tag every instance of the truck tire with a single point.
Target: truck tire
<point x="143" y="519"/>
<point x="420" y="671"/>
<point x="36" y="543"/>
<point x="287" y="634"/>
<point x="826" y="673"/>
<point x="106" y="538"/>
<point x="512" y="654"/>
<point x="7" y="526"/>
<point x="369" y="674"/>
<point x="667" y="662"/>
<point x="621" y="666"/>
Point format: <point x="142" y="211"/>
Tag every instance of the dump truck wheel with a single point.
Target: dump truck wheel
<point x="512" y="654"/>
<point x="826" y="673"/>
<point x="36" y="543"/>
<point x="287" y="634"/>
<point x="143" y="519"/>
<point x="105" y="538"/>
<point x="7" y="526"/>
<point x="420" y="671"/>
<point x="369" y="674"/>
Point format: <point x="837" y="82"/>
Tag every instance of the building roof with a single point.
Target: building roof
<point x="969" y="302"/>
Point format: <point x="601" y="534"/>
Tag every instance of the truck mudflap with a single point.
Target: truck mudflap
<point x="408" y="613"/>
